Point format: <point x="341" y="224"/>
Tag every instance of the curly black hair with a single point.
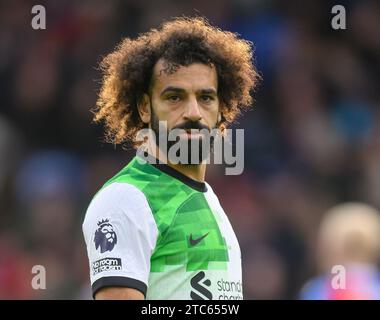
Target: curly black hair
<point x="179" y="42"/>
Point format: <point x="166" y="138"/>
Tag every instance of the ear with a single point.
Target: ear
<point x="144" y="108"/>
<point x="219" y="117"/>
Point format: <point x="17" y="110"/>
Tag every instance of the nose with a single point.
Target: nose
<point x="193" y="112"/>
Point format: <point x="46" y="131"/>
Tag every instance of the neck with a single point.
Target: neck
<point x="195" y="172"/>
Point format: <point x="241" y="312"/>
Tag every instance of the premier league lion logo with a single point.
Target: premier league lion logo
<point x="105" y="236"/>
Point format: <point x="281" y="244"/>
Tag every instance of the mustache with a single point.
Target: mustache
<point x="191" y="125"/>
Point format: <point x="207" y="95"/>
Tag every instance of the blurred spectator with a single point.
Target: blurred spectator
<point x="349" y="236"/>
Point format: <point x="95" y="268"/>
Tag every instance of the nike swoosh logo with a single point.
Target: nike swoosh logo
<point x="194" y="242"/>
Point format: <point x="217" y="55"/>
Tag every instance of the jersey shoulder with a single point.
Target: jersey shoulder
<point x="120" y="196"/>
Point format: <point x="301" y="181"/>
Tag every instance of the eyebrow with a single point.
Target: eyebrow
<point x="172" y="89"/>
<point x="208" y="91"/>
<point x="181" y="90"/>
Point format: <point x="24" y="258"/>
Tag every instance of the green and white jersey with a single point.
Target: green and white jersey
<point x="156" y="230"/>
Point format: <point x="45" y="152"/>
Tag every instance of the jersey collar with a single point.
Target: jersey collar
<point x="197" y="185"/>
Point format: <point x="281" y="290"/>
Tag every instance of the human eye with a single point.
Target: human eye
<point x="207" y="98"/>
<point x="173" y="98"/>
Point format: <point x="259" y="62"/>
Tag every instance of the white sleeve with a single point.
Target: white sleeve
<point x="120" y="234"/>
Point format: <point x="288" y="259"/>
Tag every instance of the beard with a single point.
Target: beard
<point x="196" y="151"/>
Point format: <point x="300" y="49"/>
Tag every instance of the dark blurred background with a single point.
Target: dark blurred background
<point x="312" y="139"/>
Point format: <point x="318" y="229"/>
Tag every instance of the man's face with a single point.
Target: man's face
<point x="186" y="98"/>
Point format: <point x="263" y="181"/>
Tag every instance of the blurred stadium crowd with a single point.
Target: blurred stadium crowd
<point x="311" y="141"/>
